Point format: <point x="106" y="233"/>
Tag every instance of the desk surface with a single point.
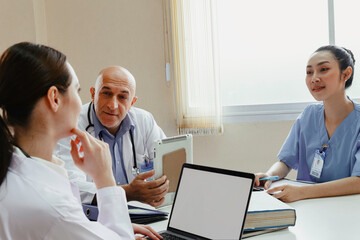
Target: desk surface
<point x="322" y="218"/>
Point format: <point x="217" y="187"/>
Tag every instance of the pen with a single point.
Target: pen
<point x="269" y="178"/>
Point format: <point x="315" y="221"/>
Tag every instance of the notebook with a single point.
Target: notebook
<point x="137" y="214"/>
<point x="210" y="203"/>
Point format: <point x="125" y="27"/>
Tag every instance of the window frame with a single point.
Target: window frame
<point x="274" y="112"/>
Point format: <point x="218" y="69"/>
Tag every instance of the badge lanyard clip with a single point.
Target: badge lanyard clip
<point x="318" y="162"/>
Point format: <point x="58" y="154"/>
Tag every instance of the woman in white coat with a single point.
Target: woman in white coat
<point x="39" y="105"/>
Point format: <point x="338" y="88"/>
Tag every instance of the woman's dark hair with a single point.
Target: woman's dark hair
<point x="344" y="57"/>
<point x="27" y="71"/>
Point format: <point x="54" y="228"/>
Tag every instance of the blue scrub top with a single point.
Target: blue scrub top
<point x="309" y="133"/>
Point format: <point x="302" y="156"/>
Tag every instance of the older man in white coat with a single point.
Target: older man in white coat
<point x="130" y="133"/>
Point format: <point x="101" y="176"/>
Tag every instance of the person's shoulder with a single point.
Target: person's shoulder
<point x="32" y="186"/>
<point x="356" y="115"/>
<point x="85" y="108"/>
<point x="314" y="107"/>
<point x="311" y="112"/>
<point x="139" y="114"/>
<point x="136" y="110"/>
<point x="83" y="117"/>
<point x="23" y="200"/>
<point x="356" y="107"/>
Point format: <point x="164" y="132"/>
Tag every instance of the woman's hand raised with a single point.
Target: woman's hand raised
<point x="93" y="157"/>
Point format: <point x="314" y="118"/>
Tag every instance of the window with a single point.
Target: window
<point x="195" y="67"/>
<point x="264" y="46"/>
<point x="347" y="35"/>
<point x="256" y="53"/>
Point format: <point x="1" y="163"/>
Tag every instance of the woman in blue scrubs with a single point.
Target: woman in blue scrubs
<point x="323" y="145"/>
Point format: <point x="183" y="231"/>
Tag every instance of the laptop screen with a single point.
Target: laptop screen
<point x="211" y="203"/>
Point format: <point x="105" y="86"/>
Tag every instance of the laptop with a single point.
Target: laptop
<point x="210" y="203"/>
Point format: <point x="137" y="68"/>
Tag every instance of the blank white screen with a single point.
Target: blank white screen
<point x="210" y="204"/>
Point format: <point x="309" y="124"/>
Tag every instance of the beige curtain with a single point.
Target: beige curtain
<point x="195" y="66"/>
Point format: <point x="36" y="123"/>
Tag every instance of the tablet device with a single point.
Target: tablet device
<point x="169" y="156"/>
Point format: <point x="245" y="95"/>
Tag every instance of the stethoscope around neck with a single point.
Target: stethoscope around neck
<point x="135" y="169"/>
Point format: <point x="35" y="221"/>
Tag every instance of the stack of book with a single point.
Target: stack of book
<point x="266" y="213"/>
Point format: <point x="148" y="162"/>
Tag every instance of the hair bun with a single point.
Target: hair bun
<point x="350" y="53"/>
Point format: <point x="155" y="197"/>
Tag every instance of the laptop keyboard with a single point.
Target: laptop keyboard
<point x="167" y="236"/>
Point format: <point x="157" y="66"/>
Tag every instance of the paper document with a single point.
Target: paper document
<point x="289" y="182"/>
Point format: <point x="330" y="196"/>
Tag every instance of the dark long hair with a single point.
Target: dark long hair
<point x="344" y="57"/>
<point x="27" y="71"/>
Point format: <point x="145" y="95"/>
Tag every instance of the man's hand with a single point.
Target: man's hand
<point x="150" y="192"/>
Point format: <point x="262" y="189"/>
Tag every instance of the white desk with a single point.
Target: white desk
<point x="336" y="218"/>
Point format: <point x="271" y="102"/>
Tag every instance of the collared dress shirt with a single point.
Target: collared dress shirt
<point x="115" y="145"/>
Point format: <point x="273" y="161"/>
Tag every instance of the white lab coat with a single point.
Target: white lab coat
<point x="37" y="202"/>
<point x="146" y="132"/>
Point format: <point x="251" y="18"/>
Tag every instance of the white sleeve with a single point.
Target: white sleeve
<point x="112" y="217"/>
<point x="78" y="177"/>
<point x="113" y="222"/>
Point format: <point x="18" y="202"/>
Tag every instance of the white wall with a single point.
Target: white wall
<point x="17" y="22"/>
<point x="95" y="34"/>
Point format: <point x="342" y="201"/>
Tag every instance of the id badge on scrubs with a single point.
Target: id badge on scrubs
<point x="317" y="164"/>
